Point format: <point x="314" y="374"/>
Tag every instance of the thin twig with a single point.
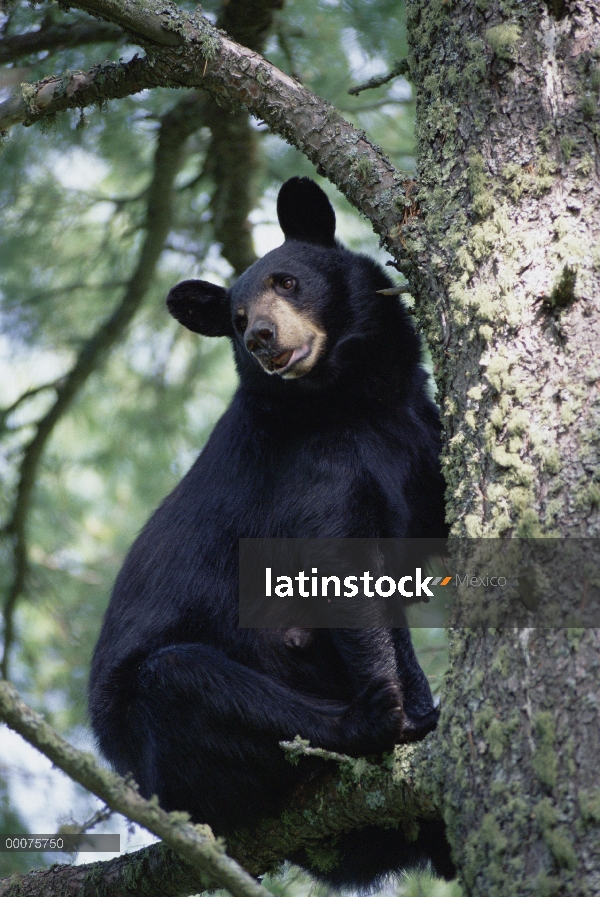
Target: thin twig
<point x="299" y="747"/>
<point x="401" y="67"/>
<point x="394" y="291"/>
<point x="376" y="104"/>
<point x="28" y="394"/>
<point x="101" y="815"/>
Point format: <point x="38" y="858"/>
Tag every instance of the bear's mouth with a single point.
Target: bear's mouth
<point x="278" y="362"/>
<point x="284" y="362"/>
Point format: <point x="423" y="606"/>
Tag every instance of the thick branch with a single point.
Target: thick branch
<point x="357" y="795"/>
<point x="149" y="23"/>
<point x="199" y="849"/>
<point x="241" y="78"/>
<point x="58" y="37"/>
<point x="156" y="871"/>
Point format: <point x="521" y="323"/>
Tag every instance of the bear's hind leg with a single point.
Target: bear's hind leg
<point x="202" y="731"/>
<point x="421" y="713"/>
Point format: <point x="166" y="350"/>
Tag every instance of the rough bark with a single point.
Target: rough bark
<point x="154" y="872"/>
<point x="520" y="775"/>
<point x="505" y="262"/>
<point x="508" y="183"/>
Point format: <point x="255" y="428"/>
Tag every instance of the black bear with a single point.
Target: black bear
<point x="330" y="434"/>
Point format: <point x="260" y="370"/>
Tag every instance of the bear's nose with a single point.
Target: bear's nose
<point x="261" y="335"/>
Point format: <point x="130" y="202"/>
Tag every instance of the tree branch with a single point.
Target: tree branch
<point x="198" y="848"/>
<point x="401" y="68"/>
<point x="152" y="22"/>
<point x="28" y="394"/>
<point x="155" y="871"/>
<point x="359" y="794"/>
<point x="58" y="36"/>
<point x="106" y="81"/>
<point x="206" y="58"/>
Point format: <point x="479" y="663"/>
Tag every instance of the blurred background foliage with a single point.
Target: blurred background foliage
<point x="77" y="211"/>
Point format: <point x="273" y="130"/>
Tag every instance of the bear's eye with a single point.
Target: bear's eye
<point x="288" y="283"/>
<point x="241" y="322"/>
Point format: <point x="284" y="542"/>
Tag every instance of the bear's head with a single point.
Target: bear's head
<point x="306" y="311"/>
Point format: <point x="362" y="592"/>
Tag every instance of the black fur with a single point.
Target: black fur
<point x="195" y="707"/>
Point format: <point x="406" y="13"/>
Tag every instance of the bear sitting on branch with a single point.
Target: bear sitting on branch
<point x="331" y="434"/>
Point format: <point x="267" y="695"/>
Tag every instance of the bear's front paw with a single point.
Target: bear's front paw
<point x="376" y="718"/>
<point x="415" y="728"/>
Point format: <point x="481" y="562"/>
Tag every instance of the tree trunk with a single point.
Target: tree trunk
<point x="505" y="259"/>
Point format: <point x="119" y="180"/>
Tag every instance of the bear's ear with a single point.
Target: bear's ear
<point x="202" y="307"/>
<point x="305" y="213"/>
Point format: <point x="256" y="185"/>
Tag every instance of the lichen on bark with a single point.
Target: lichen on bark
<point x="504" y="261"/>
<point x="511" y="266"/>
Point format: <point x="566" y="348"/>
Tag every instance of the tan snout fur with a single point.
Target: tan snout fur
<point x="295" y="331"/>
